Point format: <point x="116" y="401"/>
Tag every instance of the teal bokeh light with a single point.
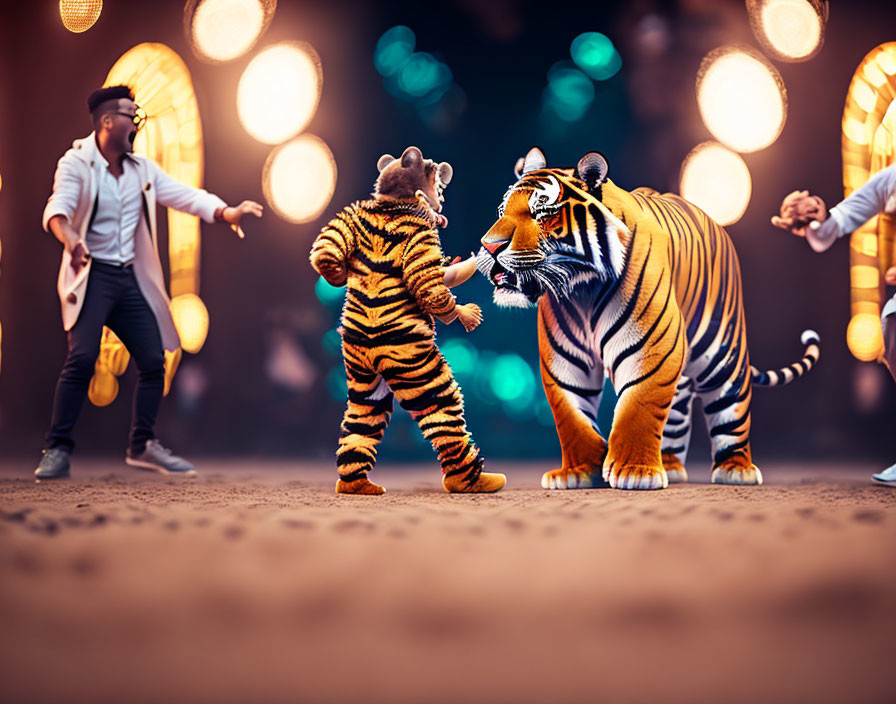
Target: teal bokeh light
<point x="393" y="49"/>
<point x="332" y="342"/>
<point x="595" y="54"/>
<point x="327" y="294"/>
<point x="422" y="74"/>
<point x="336" y="384"/>
<point x="461" y="355"/>
<point x="569" y="92"/>
<point x="511" y="380"/>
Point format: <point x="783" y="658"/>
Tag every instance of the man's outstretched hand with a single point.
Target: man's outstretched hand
<point x="233" y="214"/>
<point x="798" y="210"/>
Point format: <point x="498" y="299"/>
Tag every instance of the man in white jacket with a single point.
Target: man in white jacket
<point x="103" y="211"/>
<point x="805" y="215"/>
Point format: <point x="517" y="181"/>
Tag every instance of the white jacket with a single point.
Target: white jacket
<point x="74" y="194"/>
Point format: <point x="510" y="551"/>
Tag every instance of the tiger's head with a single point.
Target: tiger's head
<point x="553" y="233"/>
<point x="411" y="179"/>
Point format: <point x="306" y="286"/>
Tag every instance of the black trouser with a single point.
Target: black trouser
<point x="112" y="299"/>
<point x="890" y="343"/>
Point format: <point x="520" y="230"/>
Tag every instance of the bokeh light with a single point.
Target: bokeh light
<point x="460" y="354"/>
<point x="299" y="178"/>
<point x="569" y="92"/>
<point x="789" y="30"/>
<point x="864" y="337"/>
<point x="222" y="30"/>
<point x="80" y="15"/>
<point x="394" y="47"/>
<point x="172" y="137"/>
<point x="327" y="294"/>
<point x="869" y="145"/>
<point x="741" y="98"/>
<point x="279" y="91"/>
<point x="191" y="320"/>
<point x="717" y="180"/>
<point x="422" y="74"/>
<point x="512" y="380"/>
<point x="336" y="383"/>
<point x="331" y="342"/>
<point x="595" y="54"/>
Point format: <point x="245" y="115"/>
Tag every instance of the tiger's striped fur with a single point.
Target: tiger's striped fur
<point x="389" y="257"/>
<point x="646" y="289"/>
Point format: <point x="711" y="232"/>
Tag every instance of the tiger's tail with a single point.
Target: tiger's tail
<point x="785" y="375"/>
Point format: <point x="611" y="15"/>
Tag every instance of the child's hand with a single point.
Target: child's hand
<point x="459" y="271"/>
<point x="469" y="315"/>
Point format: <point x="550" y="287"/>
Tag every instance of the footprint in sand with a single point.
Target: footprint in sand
<point x="353" y="527"/>
<point x="868" y="517"/>
<point x="298" y="525"/>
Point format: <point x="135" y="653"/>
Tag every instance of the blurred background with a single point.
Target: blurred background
<point x="476" y="84"/>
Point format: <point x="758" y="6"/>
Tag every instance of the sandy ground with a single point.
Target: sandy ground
<point x="255" y="583"/>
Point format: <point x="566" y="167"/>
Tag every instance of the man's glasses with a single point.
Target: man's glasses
<point x="139" y="117"/>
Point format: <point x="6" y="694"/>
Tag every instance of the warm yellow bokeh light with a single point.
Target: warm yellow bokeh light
<point x="717" y="180"/>
<point x="279" y="91"/>
<point x="741" y="99"/>
<point x="191" y="320"/>
<point x="80" y="15"/>
<point x="864" y="337"/>
<point x="792" y="28"/>
<point x="299" y="178"/>
<point x="222" y="30"/>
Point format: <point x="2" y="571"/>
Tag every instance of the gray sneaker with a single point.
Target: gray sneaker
<point x="55" y="464"/>
<point x="160" y="459"/>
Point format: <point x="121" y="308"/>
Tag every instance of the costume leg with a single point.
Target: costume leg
<point x="135" y="324"/>
<point x="366" y="418"/>
<point x="677" y="433"/>
<point x="422" y="381"/>
<point x="83" y="349"/>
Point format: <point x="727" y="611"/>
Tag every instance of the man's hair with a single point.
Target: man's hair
<point x="95" y="103"/>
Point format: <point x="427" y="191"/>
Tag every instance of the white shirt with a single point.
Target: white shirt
<point x="878" y="195"/>
<point x="120" y="202"/>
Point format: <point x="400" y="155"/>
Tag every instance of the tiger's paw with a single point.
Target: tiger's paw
<point x="361" y="487"/>
<point x="736" y="474"/>
<point x="635" y="476"/>
<point x="581" y="476"/>
<point x="674" y="469"/>
<point x="487" y="483"/>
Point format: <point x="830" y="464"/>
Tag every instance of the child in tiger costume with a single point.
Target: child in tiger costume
<point x="386" y="251"/>
<point x="645" y="288"/>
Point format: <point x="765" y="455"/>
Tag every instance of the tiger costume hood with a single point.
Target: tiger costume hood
<point x="413" y="182"/>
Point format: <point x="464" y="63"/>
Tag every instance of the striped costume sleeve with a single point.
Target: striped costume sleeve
<point x="424" y="275"/>
<point x="333" y="247"/>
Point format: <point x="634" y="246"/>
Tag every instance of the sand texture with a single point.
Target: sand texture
<point x="255" y="583"/>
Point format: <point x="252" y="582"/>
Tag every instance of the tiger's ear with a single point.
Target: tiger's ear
<point x="445" y="172"/>
<point x="411" y="158"/>
<point x="592" y="169"/>
<point x="384" y="161"/>
<point x="518" y="168"/>
<point x="534" y="159"/>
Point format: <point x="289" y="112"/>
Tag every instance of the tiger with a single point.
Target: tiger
<point x="386" y="251"/>
<point x="644" y="289"/>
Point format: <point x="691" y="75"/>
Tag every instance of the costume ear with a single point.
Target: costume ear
<point x="535" y="159"/>
<point x="384" y="161"/>
<point x="445" y="173"/>
<point x="592" y="169"/>
<point x="412" y="157"/>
